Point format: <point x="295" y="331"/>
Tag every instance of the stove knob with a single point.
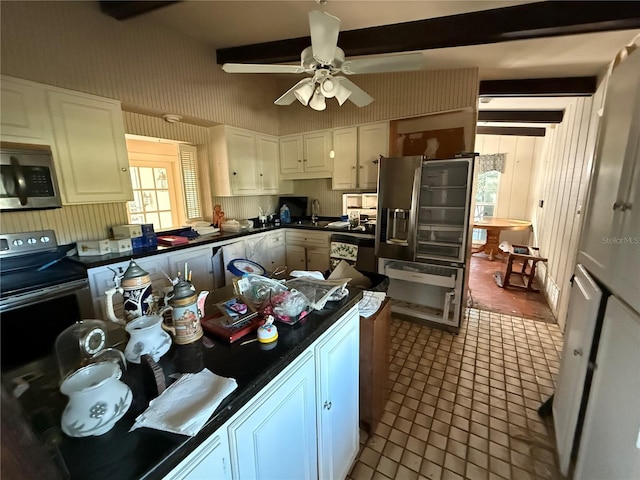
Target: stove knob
<point x="45" y="239"/>
<point x="31" y="241"/>
<point x="17" y="242"/>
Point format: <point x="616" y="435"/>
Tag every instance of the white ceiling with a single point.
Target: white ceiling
<point x="222" y="24"/>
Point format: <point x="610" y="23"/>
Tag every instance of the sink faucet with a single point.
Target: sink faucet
<point x="315" y="210"/>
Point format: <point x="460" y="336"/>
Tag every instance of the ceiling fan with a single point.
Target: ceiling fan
<point x="324" y="59"/>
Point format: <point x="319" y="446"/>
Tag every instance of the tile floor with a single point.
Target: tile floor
<point x="465" y="406"/>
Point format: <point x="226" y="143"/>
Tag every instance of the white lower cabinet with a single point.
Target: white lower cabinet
<point x="308" y="250"/>
<point x="198" y="263"/>
<point x="337" y="372"/>
<point x="210" y="460"/>
<point x="275" y="437"/>
<point x="303" y="425"/>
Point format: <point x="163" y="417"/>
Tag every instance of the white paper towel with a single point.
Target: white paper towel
<point x="187" y="404"/>
<point x="370" y="303"/>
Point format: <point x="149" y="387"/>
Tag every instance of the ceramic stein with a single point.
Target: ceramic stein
<point x="146" y="337"/>
<point x="187" y="309"/>
<point x="135" y="287"/>
<point x="97" y="400"/>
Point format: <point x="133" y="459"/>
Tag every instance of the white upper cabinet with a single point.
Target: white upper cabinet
<point x="243" y="162"/>
<point x="345" y="161"/>
<point x="306" y="155"/>
<point x="373" y="141"/>
<point x="85" y="133"/>
<point x="24" y="117"/>
<point x="91" y="158"/>
<point x="357" y="150"/>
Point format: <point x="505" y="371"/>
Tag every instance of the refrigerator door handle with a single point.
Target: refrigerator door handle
<point x="415" y="210"/>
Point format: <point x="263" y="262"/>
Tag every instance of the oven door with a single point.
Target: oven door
<point x="31" y="322"/>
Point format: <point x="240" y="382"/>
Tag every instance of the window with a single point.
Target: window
<point x="486" y="200"/>
<point x="164" y="178"/>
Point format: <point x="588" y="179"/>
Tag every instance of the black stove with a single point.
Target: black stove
<point x="42" y="291"/>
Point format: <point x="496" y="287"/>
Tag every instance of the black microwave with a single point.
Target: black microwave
<point x="28" y="179"/>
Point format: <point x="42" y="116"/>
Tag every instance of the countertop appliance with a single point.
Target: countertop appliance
<point x="37" y="301"/>
<point x="423" y="234"/>
<point x="27" y="179"/>
<point x="596" y="404"/>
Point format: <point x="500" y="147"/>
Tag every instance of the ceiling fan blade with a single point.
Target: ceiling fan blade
<point x="290" y="95"/>
<point x="259" y="68"/>
<point x="324" y="35"/>
<point x="358" y="96"/>
<point x="389" y="63"/>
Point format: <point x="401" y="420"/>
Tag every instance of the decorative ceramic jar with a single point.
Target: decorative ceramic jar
<point x="97" y="400"/>
<point x="187" y="309"/>
<point x="147" y="337"/>
<point x="135" y="287"/>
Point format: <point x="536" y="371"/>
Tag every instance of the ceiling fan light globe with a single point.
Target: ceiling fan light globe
<point x="328" y="87"/>
<point x="342" y="94"/>
<point x="304" y="93"/>
<point x="317" y="102"/>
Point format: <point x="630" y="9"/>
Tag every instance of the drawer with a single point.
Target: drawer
<point x="308" y="237"/>
<point x="276" y="240"/>
<point x="426" y="274"/>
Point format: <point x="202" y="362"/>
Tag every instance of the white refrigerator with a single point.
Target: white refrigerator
<point x="596" y="404"/>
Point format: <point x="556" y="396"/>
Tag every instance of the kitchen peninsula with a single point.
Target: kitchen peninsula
<point x="302" y="390"/>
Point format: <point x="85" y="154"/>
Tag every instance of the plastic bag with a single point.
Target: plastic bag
<point x="319" y="292"/>
<point x="288" y="307"/>
<point x="257" y="289"/>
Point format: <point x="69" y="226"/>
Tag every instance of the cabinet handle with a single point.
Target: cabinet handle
<point x="625" y="206"/>
<point x="577" y="352"/>
<point x="299" y="161"/>
<point x="617" y="205"/>
<point x="123" y="169"/>
<point x="304" y="159"/>
<point x="327" y="405"/>
<point x="375" y="162"/>
<point x="361" y="166"/>
<point x="235" y="173"/>
<point x="260" y="174"/>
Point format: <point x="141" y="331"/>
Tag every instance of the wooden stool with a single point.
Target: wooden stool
<point x="530" y="256"/>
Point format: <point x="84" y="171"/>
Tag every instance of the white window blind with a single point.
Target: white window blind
<point x="189" y="166"/>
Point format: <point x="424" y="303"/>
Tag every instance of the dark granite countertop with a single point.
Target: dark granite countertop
<point x="100" y="260"/>
<point x="150" y="454"/>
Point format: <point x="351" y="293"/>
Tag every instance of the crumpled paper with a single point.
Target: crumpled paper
<point x="370" y="303"/>
<point x="187" y="404"/>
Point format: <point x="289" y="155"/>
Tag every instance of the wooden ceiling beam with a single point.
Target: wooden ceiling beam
<point x="547" y="87"/>
<point x="521" y="116"/>
<point x="122" y="10"/>
<point x="519" y="131"/>
<point x="519" y="22"/>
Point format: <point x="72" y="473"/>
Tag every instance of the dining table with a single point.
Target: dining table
<point x="494" y="227"/>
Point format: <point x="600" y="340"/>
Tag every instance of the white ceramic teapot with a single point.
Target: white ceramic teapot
<point x="97" y="399"/>
<point x="147" y="337"/>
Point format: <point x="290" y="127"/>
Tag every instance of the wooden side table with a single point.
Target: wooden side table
<point x="374" y="366"/>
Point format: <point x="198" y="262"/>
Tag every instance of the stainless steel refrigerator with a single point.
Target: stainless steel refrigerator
<point x="423" y="235"/>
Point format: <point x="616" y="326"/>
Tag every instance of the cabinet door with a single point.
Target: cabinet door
<point x="373" y="141"/>
<point x="317" y="259"/>
<point x="257" y="250"/>
<point x="626" y="274"/>
<point x="337" y="361"/>
<point x="316" y="151"/>
<point x="291" y="154"/>
<point x="277" y="251"/>
<point x="609" y="442"/>
<point x="92" y="153"/>
<point x="581" y="323"/>
<point x="599" y="233"/>
<point x="296" y="257"/>
<point x="210" y="460"/>
<point x="243" y="168"/>
<point x="268" y="161"/>
<point x="198" y="263"/>
<point x="345" y="147"/>
<point x="231" y="252"/>
<point x="24" y="116"/>
<point x="276" y="437"/>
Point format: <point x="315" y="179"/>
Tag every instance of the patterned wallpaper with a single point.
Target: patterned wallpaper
<point x="154" y="71"/>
